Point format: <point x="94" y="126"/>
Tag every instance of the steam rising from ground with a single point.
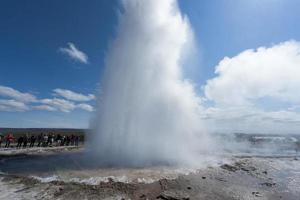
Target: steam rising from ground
<point x="148" y="112"/>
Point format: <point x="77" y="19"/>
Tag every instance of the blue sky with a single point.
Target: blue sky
<point x="35" y="37"/>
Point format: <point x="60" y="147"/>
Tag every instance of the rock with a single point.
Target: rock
<point x="268" y="184"/>
<point x="256" y="194"/>
<point x="167" y="195"/>
<point x="163" y="184"/>
<point x="248" y="168"/>
<point x="229" y="167"/>
<point x="265" y="172"/>
<point x="203" y="177"/>
<point x="220" y="179"/>
<point x="244" y="169"/>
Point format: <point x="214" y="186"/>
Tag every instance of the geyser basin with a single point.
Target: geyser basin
<point x="76" y="176"/>
<point x="83" y="168"/>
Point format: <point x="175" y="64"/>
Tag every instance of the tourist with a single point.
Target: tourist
<point x="82" y="139"/>
<point x="49" y="140"/>
<point x="63" y="140"/>
<point x="25" y="141"/>
<point x="32" y="141"/>
<point x="52" y="139"/>
<point x="40" y="140"/>
<point x="68" y="140"/>
<point x="58" y="140"/>
<point x="72" y="139"/>
<point x="20" y="142"/>
<point x="9" y="140"/>
<point x="45" y="140"/>
<point x="76" y="140"/>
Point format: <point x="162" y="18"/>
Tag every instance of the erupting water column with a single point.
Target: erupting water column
<point x="147" y="112"/>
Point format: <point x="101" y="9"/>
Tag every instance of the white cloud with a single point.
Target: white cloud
<point x="45" y="107"/>
<point x="62" y="105"/>
<point x="15" y="94"/>
<point x="70" y="95"/>
<point x="85" y="107"/>
<point x="12" y="106"/>
<point x="59" y="104"/>
<point x="74" y="53"/>
<point x="254" y="74"/>
<point x="257" y="91"/>
<point x="20" y="102"/>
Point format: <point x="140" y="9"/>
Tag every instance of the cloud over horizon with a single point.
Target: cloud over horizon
<point x="74" y="53"/>
<point x="16" y="101"/>
<point x="257" y="90"/>
<point x="272" y="72"/>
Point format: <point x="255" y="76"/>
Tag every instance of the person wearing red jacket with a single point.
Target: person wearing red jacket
<point x="9" y="140"/>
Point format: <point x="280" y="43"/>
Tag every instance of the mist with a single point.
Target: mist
<point x="147" y="111"/>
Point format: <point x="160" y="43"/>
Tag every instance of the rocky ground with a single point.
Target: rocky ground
<point x="240" y="178"/>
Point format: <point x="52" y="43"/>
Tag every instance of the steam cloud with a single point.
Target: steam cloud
<point x="148" y="112"/>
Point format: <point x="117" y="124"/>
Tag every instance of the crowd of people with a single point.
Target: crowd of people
<point x="42" y="140"/>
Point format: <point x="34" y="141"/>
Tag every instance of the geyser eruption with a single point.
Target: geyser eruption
<point x="147" y="112"/>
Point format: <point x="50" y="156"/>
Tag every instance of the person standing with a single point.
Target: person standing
<point x="72" y="140"/>
<point x="63" y="140"/>
<point x="20" y="142"/>
<point x="9" y="140"/>
<point x="52" y="139"/>
<point x="32" y="141"/>
<point x="58" y="140"/>
<point x="25" y="141"/>
<point x="76" y="140"/>
<point x="68" y="140"/>
<point x="49" y="140"/>
<point x="45" y="140"/>
<point x="40" y="140"/>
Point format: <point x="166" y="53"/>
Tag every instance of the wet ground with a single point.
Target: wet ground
<point x="66" y="173"/>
